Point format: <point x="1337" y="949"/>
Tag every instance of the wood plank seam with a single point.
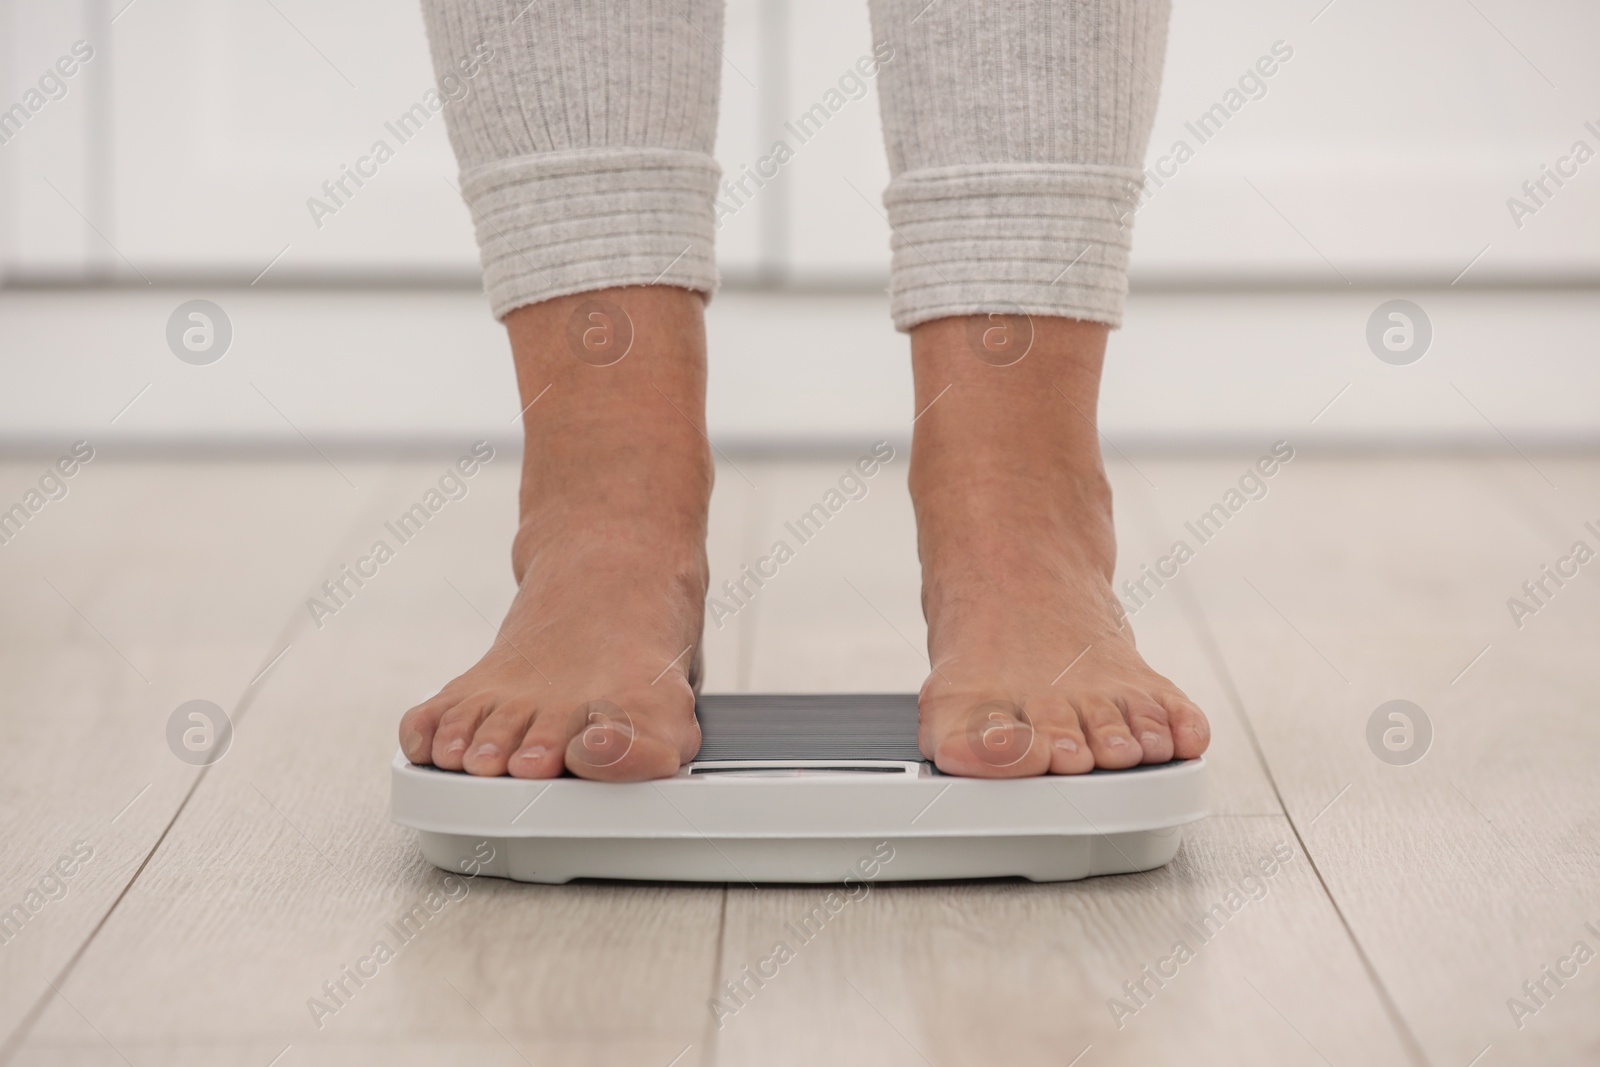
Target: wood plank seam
<point x="709" y="1057"/>
<point x="285" y="637"/>
<point x="1192" y="610"/>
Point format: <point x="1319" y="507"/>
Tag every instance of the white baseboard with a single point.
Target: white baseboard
<point x="371" y="367"/>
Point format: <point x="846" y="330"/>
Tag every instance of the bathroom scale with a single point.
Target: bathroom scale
<point x="803" y="788"/>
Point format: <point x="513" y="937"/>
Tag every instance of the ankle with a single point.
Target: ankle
<point x="602" y="373"/>
<point x="1005" y="471"/>
<point x="1032" y="419"/>
<point x="613" y="395"/>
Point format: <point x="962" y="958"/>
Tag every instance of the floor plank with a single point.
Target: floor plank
<point x="147" y="585"/>
<point x="1011" y="972"/>
<point x="1353" y="582"/>
<point x="284" y="868"/>
<point x="1359" y="581"/>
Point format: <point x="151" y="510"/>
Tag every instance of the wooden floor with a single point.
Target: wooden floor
<point x="213" y="905"/>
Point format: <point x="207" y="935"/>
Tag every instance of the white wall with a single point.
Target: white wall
<point x="1377" y="164"/>
<point x="430" y="367"/>
<point x="1390" y="142"/>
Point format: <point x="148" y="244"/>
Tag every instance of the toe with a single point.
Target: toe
<point x="1191" y="732"/>
<point x="1147" y="721"/>
<point x="611" y="744"/>
<point x="417" y="728"/>
<point x="1070" y="753"/>
<point x="541" y="751"/>
<point x="1057" y="722"/>
<point x="497" y="736"/>
<point x="1109" y="738"/>
<point x="455" y="731"/>
<point x="992" y="739"/>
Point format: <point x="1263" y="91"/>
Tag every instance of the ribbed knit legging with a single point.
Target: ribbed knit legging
<point x="1015" y="129"/>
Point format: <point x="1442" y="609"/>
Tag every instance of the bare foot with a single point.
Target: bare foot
<point x="592" y="667"/>
<point x="1034" y="668"/>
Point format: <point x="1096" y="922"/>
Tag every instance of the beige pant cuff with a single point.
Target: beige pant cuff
<point x="568" y="222"/>
<point x="1019" y="238"/>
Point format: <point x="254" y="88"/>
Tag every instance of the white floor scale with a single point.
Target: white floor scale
<point x="803" y="788"/>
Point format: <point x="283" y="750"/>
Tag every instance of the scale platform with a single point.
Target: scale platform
<point x="802" y="788"/>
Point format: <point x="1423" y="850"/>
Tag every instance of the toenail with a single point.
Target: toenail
<point x="1116" y="741"/>
<point x="1067" y="743"/>
<point x="412" y="741"/>
<point x="455" y="746"/>
<point x="487" y="750"/>
<point x="1150" y="739"/>
<point x="532" y="752"/>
